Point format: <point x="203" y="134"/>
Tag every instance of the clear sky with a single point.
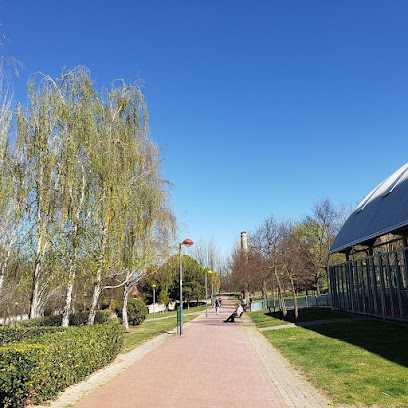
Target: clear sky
<point x="259" y="106"/>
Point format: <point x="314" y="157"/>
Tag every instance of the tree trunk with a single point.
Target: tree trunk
<point x="94" y="304"/>
<point x="284" y="289"/>
<point x="71" y="281"/>
<point x="68" y="297"/>
<point x="2" y="274"/>
<point x="1" y="280"/>
<point x="42" y="245"/>
<point x="273" y="295"/>
<point x="264" y="295"/>
<point x="34" y="298"/>
<point x="98" y="284"/>
<point x="125" y="321"/>
<point x="318" y="287"/>
<point x="295" y="302"/>
<point x="246" y="295"/>
<point x="282" y="304"/>
<point x="74" y="257"/>
<point x="5" y="264"/>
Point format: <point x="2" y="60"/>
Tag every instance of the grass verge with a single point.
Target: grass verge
<point x="147" y="330"/>
<point x="361" y="363"/>
<point x="266" y="319"/>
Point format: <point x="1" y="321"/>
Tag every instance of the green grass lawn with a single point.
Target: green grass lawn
<point x="173" y="312"/>
<point x="361" y="363"/>
<point x="147" y="330"/>
<point x="266" y="319"/>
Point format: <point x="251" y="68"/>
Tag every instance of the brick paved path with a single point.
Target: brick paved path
<point x="214" y="364"/>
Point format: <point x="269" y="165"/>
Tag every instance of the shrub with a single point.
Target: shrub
<point x="53" y="320"/>
<point x="136" y="310"/>
<point x="42" y="366"/>
<point x="19" y="334"/>
<point x="81" y="318"/>
<point x="75" y="319"/>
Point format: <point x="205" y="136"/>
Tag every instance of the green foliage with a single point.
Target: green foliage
<point x="54" y="320"/>
<point x="168" y="280"/>
<point x="81" y="169"/>
<point x="75" y="319"/>
<point x="18" y="334"/>
<point x="136" y="310"/>
<point x="40" y="367"/>
<point x="164" y="297"/>
<point x="81" y="318"/>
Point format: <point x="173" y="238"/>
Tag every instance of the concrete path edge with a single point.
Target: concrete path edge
<point x="296" y="392"/>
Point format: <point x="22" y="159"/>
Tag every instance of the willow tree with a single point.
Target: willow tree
<point x="148" y="228"/>
<point x="39" y="143"/>
<point x="10" y="202"/>
<point x="78" y="123"/>
<point x="131" y="205"/>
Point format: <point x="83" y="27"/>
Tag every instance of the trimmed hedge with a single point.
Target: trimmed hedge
<point x="136" y="310"/>
<point x="75" y="319"/>
<point x="38" y="369"/>
<point x="19" y="334"/>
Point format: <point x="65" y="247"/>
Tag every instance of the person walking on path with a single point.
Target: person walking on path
<point x="217" y="306"/>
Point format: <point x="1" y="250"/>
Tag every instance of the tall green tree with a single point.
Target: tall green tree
<point x="79" y="115"/>
<point x="11" y="171"/>
<point x="39" y="143"/>
<point x="132" y="211"/>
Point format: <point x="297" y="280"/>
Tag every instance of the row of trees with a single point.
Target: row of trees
<point x="83" y="206"/>
<point x="287" y="256"/>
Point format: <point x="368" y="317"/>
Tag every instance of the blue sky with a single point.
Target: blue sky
<point x="259" y="107"/>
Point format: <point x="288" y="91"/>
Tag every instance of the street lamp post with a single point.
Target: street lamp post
<point x="154" y="300"/>
<point x="212" y="293"/>
<point x="187" y="242"/>
<point x="206" y="296"/>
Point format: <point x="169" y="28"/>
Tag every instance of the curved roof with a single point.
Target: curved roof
<point x="384" y="210"/>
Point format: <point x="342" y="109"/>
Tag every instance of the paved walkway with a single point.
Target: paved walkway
<point x="214" y="364"/>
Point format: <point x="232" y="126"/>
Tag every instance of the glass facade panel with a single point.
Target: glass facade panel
<point x="375" y="285"/>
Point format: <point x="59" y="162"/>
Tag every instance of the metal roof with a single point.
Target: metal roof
<point x="384" y="210"/>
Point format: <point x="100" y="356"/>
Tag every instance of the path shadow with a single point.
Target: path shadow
<point x="385" y="339"/>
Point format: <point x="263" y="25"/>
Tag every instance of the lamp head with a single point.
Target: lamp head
<point x="153" y="286"/>
<point x="187" y="242"/>
<point x="210" y="272"/>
